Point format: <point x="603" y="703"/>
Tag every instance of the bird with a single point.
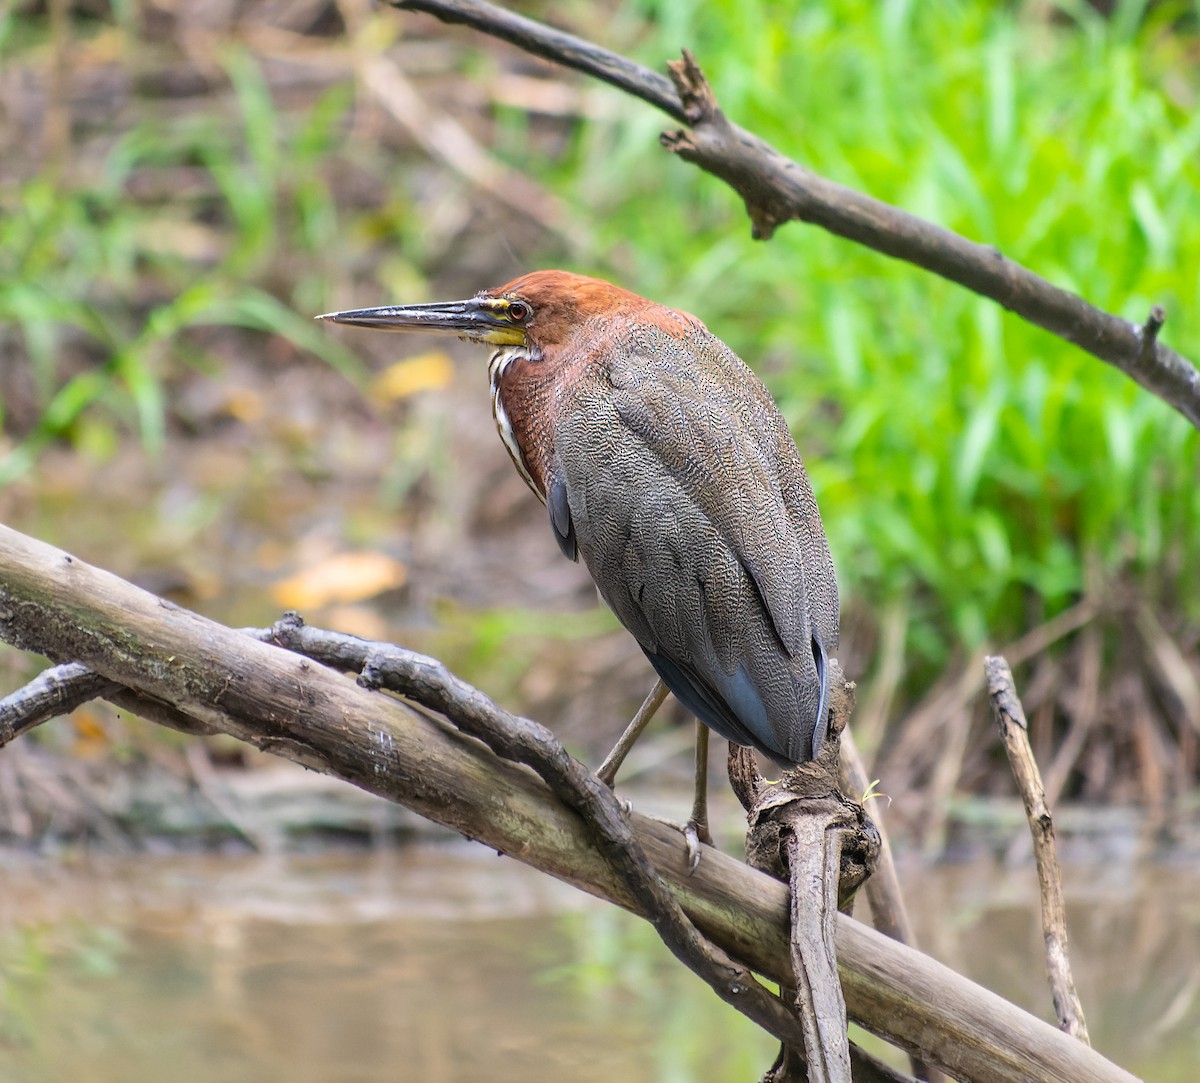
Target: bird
<point x="666" y="467"/>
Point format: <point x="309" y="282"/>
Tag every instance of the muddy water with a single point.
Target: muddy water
<point x="448" y="963"/>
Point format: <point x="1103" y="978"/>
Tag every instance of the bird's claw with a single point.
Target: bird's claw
<point x="694" y="834"/>
<point x="692" y="837"/>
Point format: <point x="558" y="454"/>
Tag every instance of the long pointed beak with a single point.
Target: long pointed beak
<point x="473" y="319"/>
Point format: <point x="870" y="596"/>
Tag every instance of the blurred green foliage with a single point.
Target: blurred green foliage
<point x="969" y="467"/>
<point x="131" y="277"/>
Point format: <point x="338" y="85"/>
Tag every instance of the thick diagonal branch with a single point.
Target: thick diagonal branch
<point x="281" y="702"/>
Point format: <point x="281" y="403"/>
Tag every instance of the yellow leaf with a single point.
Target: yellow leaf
<point x="244" y="404"/>
<point x="423" y="372"/>
<point x="344" y="577"/>
<point x="91" y="738"/>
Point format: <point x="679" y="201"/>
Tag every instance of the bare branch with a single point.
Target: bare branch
<point x="51" y="693"/>
<point x="814" y="854"/>
<point x="777" y="189"/>
<point x="1010" y="717"/>
<point x="806" y="829"/>
<point x="60" y="689"/>
<point x="558" y="47"/>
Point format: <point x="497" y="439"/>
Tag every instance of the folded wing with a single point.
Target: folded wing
<point x="703" y="536"/>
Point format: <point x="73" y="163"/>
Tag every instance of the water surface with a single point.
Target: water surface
<point x="442" y="963"/>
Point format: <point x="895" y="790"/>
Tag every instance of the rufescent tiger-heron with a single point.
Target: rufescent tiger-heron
<point x="666" y="465"/>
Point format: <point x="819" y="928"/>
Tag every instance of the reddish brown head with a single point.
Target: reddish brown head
<point x="539" y="311"/>
<point x="560" y="307"/>
<point x="547" y="327"/>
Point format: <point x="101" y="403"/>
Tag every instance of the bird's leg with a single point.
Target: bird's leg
<point x="699" y="816"/>
<point x="695" y="831"/>
<point x="607" y="771"/>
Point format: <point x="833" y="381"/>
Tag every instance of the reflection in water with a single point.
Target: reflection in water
<point x="451" y="964"/>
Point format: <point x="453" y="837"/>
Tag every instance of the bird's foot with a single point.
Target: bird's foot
<point x="695" y="834"/>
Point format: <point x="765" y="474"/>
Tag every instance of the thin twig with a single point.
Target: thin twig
<point x="777" y="189"/>
<point x="1149" y="333"/>
<point x="53" y="692"/>
<point x="426" y="680"/>
<point x="558" y="47"/>
<point x="1010" y="718"/>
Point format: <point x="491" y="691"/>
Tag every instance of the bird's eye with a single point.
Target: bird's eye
<point x="518" y="311"/>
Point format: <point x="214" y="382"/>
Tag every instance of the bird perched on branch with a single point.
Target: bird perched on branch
<point x="666" y="466"/>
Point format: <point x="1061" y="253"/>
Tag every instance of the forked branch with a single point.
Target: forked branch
<point x="777" y="189"/>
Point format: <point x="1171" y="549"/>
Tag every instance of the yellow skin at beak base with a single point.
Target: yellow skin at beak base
<point x="500" y="336"/>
